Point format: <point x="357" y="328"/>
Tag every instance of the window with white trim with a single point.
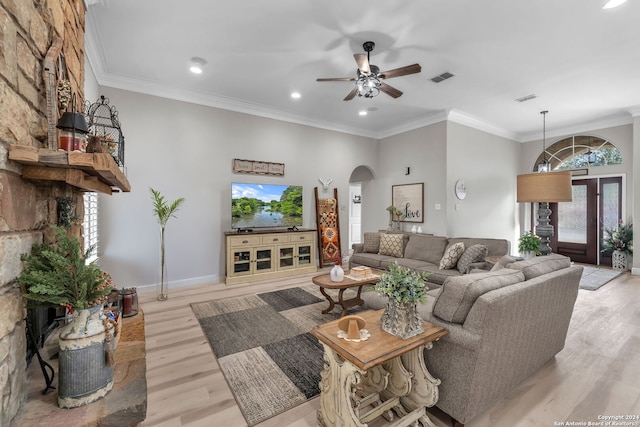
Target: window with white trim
<point x="90" y="225"/>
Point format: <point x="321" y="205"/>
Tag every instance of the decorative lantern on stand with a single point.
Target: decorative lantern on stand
<point x="73" y="130"/>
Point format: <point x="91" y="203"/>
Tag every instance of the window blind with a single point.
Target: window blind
<point x="90" y="225"/>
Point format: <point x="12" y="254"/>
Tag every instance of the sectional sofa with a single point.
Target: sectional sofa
<point x="503" y="326"/>
<point x="441" y="256"/>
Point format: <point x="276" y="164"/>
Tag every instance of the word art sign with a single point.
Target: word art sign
<point x="409" y="198"/>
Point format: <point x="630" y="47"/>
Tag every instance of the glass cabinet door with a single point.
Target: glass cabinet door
<point x="286" y="258"/>
<point x="242" y="261"/>
<point x="304" y="255"/>
<point x="264" y="260"/>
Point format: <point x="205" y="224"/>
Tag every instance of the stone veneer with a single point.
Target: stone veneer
<point x="27" y="29"/>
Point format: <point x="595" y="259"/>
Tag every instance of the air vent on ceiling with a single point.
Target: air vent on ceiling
<point x="444" y="76"/>
<point x="526" y="98"/>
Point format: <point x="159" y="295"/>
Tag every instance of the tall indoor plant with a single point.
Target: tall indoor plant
<point x="164" y="210"/>
<point x="405" y="289"/>
<point x="59" y="274"/>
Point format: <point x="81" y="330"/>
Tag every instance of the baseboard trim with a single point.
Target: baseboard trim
<point x="193" y="281"/>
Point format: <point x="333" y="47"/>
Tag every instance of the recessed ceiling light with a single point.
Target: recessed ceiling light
<point x="613" y="3"/>
<point x="295" y="95"/>
<point x="196" y="65"/>
<point x="363" y="113"/>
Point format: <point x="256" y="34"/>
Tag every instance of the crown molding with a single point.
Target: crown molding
<point x="634" y="111"/>
<point x="427" y="120"/>
<point x="465" y="119"/>
<point x="620" y="119"/>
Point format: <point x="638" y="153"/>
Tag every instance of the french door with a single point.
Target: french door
<point x="579" y="224"/>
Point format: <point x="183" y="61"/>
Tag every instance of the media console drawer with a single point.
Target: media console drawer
<point x="275" y="238"/>
<point x="238" y="241"/>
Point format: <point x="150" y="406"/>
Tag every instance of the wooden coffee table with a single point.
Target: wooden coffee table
<point x="364" y="380"/>
<point x="324" y="282"/>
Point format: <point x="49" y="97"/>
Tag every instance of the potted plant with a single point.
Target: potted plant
<point x="58" y="274"/>
<point x="163" y="210"/>
<point x="394" y="223"/>
<point x="529" y="245"/>
<point x="405" y="289"/>
<point x="619" y="242"/>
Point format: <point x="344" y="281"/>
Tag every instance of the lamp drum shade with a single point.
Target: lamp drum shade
<point x="544" y="187"/>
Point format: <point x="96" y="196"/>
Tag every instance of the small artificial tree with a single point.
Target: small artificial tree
<point x="529" y="242"/>
<point x="59" y="275"/>
<point x="163" y="210"/>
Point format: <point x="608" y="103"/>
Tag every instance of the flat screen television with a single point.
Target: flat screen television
<point x="265" y="205"/>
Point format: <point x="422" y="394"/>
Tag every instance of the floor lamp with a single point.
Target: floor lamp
<point x="544" y="188"/>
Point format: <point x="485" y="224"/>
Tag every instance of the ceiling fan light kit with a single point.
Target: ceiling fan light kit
<point x="369" y="79"/>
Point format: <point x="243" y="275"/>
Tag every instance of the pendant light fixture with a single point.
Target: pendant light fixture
<point x="545" y="166"/>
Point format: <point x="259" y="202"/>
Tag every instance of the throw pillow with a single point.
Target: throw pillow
<point x="391" y="245"/>
<point x="474" y="253"/>
<point x="451" y="256"/>
<point x="371" y="243"/>
<point x="502" y="262"/>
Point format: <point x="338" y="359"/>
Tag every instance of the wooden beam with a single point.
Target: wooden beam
<point x="24" y="154"/>
<point x="106" y="167"/>
<point x="74" y="177"/>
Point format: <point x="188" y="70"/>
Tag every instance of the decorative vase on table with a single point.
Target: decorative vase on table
<point x="401" y="319"/>
<point x="337" y="273"/>
<point x="619" y="260"/>
<point x="85" y="367"/>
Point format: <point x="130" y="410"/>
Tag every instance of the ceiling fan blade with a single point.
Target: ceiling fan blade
<point x="391" y="91"/>
<point x="363" y="63"/>
<point x="351" y="94"/>
<point x="402" y="71"/>
<point x="337" y="79"/>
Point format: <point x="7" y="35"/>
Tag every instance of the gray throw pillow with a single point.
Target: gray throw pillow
<point x="503" y="262"/>
<point x="474" y="253"/>
<point x="371" y="243"/>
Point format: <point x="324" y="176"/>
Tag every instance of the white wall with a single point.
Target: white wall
<point x="488" y="164"/>
<point x="424" y="151"/>
<point x="186" y="150"/>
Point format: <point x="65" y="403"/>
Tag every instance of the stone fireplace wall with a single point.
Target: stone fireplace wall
<point x="27" y="29"/>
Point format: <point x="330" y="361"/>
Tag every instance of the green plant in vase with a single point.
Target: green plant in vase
<point x="529" y="244"/>
<point x="394" y="223"/>
<point x="405" y="289"/>
<point x="164" y="210"/>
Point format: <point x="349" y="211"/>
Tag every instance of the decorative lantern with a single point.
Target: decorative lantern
<point x="129" y="302"/>
<point x="73" y="132"/>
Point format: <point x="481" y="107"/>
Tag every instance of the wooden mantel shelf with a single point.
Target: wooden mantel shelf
<point x="88" y="171"/>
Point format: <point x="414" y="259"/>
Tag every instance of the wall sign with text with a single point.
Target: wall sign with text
<point x="258" y="168"/>
<point x="409" y="198"/>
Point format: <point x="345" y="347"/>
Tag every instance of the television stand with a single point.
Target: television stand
<point x="259" y="255"/>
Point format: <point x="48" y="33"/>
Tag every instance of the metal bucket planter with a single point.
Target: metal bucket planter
<point x="85" y="374"/>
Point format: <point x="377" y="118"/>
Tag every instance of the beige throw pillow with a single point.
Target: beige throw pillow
<point x="371" y="243"/>
<point x="391" y="245"/>
<point x="451" y="256"/>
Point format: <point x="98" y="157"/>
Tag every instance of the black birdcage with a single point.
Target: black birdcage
<point x="103" y="122"/>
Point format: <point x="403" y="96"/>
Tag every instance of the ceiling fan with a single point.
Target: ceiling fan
<point x="369" y="79"/>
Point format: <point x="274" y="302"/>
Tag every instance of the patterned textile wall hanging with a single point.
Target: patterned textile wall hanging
<point x="328" y="229"/>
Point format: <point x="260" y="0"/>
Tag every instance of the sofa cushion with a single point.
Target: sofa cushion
<point x="412" y="264"/>
<point x="474" y="253"/>
<point x="425" y="248"/>
<point x="391" y="245"/>
<point x="495" y="247"/>
<point x="460" y="293"/>
<point x="451" y="256"/>
<point x="370" y="260"/>
<point x="371" y="243"/>
<point x="540" y="265"/>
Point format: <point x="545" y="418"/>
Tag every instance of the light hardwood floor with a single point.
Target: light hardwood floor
<point x="597" y="374"/>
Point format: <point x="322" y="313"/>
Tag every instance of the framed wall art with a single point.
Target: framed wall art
<point x="409" y="198"/>
<point x="257" y="167"/>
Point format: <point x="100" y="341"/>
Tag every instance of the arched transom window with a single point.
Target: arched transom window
<point x="580" y="151"/>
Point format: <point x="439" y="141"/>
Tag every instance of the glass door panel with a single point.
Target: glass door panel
<point x="304" y="254"/>
<point x="264" y="260"/>
<point x="572" y="217"/>
<point x="285" y="258"/>
<point x="242" y="261"/>
<point x="610" y="210"/>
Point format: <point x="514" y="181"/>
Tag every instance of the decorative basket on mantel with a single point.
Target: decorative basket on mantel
<point x="103" y="122"/>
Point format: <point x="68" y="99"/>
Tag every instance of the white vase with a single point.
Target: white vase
<point x="619" y="260"/>
<point x="337" y="273"/>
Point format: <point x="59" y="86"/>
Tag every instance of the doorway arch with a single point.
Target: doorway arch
<point x="358" y="180"/>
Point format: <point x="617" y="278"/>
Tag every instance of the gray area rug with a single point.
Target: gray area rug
<point x="263" y="346"/>
<point x="593" y="277"/>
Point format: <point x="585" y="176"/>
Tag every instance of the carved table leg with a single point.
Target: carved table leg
<point x="338" y="382"/>
<point x="425" y="387"/>
<point x="331" y="302"/>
